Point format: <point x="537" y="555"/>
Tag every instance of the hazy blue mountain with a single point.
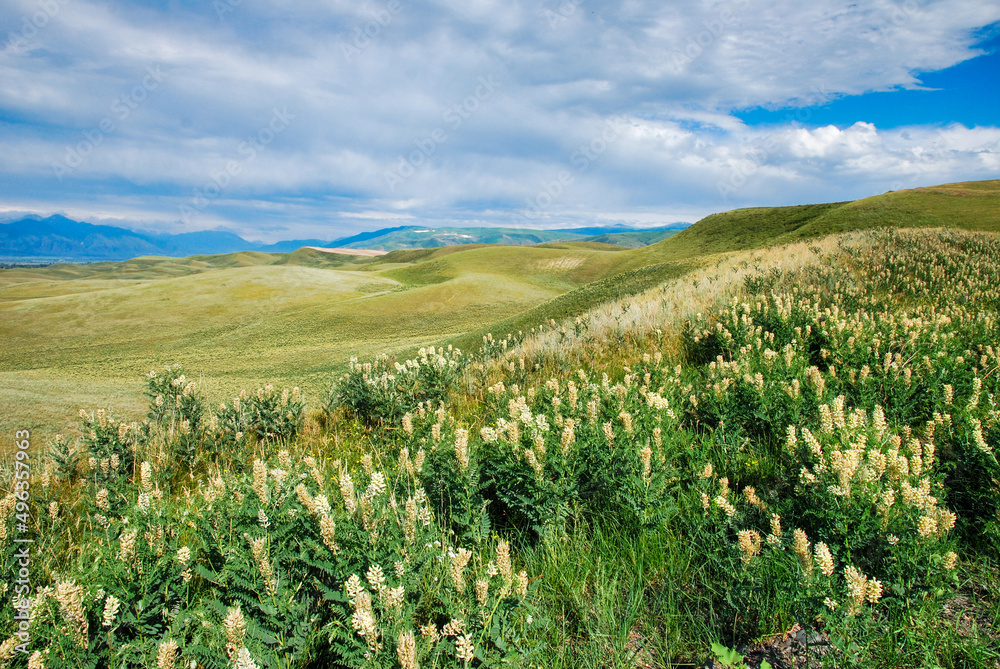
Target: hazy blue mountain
<point x="206" y="242"/>
<point x="411" y="237"/>
<point x="365" y="236"/>
<point x="59" y="238"/>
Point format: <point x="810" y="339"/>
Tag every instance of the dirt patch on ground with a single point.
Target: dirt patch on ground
<point x="350" y="252"/>
<point x="794" y="649"/>
<point x="561" y="263"/>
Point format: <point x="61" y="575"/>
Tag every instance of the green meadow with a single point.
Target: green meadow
<point x="768" y="441"/>
<point x="80" y="335"/>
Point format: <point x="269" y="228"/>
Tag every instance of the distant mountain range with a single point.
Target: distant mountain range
<point x="58" y="238"/>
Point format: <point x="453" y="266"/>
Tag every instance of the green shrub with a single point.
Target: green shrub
<point x="265" y="415"/>
<point x="174" y="401"/>
<point x="381" y="391"/>
<point x="111" y="445"/>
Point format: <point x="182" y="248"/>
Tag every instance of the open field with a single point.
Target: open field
<point x="94" y="331"/>
<point x="788" y="449"/>
<point x="91" y="332"/>
<point x="753" y="440"/>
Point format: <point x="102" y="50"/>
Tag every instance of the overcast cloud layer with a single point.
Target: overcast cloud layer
<point x="304" y="118"/>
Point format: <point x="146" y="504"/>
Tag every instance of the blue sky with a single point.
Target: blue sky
<point x="967" y="93"/>
<point x="320" y="118"/>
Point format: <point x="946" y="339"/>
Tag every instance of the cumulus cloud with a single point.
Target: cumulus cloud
<point x="447" y="112"/>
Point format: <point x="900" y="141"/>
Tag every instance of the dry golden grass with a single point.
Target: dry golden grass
<point x="666" y="307"/>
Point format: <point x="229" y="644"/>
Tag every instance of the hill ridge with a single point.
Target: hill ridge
<point x="58" y="238"/>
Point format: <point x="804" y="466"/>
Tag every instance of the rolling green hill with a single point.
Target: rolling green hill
<point x="755" y="433"/>
<point x="84" y="335"/>
<point x="969" y="206"/>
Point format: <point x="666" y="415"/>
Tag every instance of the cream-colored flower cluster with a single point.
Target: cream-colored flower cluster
<point x="380" y="610"/>
<point x="864" y="463"/>
<point x="235" y="628"/>
<point x="70" y="597"/>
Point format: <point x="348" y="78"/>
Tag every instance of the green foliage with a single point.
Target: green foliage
<point x="64" y="457"/>
<point x="729" y="657"/>
<point x="381" y="391"/>
<point x="177" y="408"/>
<point x="815" y="447"/>
<point x="174" y="401"/>
<point x="265" y="415"/>
<point x="111" y="445"/>
<point x="257" y="562"/>
<point x="573" y="449"/>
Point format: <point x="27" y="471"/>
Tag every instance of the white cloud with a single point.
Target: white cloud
<point x="376" y="215"/>
<point x="674" y="70"/>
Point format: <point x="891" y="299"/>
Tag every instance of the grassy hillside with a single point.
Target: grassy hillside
<point x="786" y="454"/>
<point x="78" y="331"/>
<point x="617" y="286"/>
<point x="738" y="230"/>
<point x="238" y="319"/>
<point x="968" y="206"/>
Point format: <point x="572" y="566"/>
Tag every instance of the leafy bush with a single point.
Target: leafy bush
<point x="381" y="391"/>
<point x="111" y="445"/>
<point x="443" y="458"/>
<point x="565" y="449"/>
<point x="868" y="508"/>
<point x="266" y="415"/>
<point x="174" y="401"/>
<point x="280" y="566"/>
<point x="177" y="409"/>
